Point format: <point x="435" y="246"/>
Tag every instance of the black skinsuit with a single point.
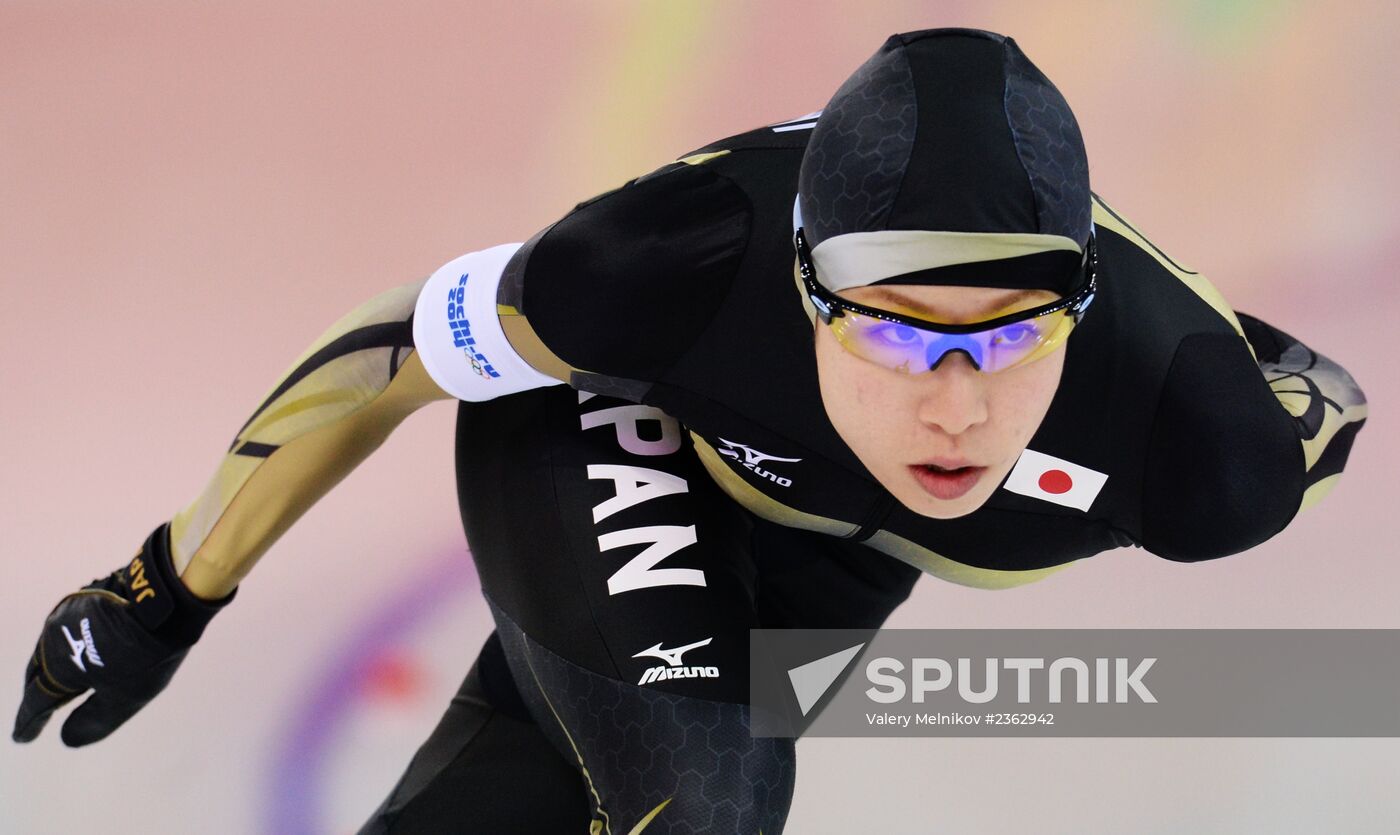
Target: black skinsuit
<point x="703" y="491"/>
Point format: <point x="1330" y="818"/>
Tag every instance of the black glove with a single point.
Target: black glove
<point x="123" y="636"/>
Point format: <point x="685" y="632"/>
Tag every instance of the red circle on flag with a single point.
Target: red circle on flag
<point x="1056" y="481"/>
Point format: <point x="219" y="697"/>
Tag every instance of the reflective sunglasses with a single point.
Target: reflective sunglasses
<point x="911" y="345"/>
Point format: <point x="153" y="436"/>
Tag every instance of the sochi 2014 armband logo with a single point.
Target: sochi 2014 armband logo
<point x="462" y="330"/>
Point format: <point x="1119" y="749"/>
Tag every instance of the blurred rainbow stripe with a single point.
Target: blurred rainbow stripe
<point x="604" y="115"/>
<point x="294" y="804"/>
<point x="1235" y="26"/>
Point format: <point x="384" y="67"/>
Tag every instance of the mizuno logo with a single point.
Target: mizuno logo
<point x="751" y="458"/>
<point x="84" y="647"/>
<point x="672" y="657"/>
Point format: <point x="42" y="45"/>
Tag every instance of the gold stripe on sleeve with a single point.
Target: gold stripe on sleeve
<point x="761" y="504"/>
<point x="1107" y="218"/>
<point x="952" y="571"/>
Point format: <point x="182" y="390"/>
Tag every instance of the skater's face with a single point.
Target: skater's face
<point x="909" y="429"/>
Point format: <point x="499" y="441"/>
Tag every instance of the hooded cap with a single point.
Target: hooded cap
<point x="946" y="152"/>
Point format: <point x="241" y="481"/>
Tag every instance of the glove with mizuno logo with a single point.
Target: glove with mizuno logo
<point x="122" y="636"/>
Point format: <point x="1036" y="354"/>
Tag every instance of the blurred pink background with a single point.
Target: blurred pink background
<point x="192" y="192"/>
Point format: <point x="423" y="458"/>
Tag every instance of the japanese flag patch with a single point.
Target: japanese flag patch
<point x="1052" y="479"/>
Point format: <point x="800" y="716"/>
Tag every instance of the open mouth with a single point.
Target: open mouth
<point x="946" y="483"/>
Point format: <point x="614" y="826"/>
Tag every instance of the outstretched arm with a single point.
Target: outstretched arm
<point x="341" y="399"/>
<point x="125" y="635"/>
<point x="334" y="406"/>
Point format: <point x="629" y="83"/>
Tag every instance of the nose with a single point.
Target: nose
<point x="952" y="397"/>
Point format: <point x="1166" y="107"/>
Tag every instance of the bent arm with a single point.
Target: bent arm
<point x="333" y="407"/>
<point x="1327" y="406"/>
<point x="1232" y="462"/>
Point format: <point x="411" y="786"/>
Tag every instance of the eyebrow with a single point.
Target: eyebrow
<point x="889" y="295"/>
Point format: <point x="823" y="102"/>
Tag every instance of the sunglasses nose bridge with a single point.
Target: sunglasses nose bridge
<point x="969" y="346"/>
<point x="944" y="354"/>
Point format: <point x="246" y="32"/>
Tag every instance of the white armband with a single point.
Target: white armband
<point x="459" y="336"/>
